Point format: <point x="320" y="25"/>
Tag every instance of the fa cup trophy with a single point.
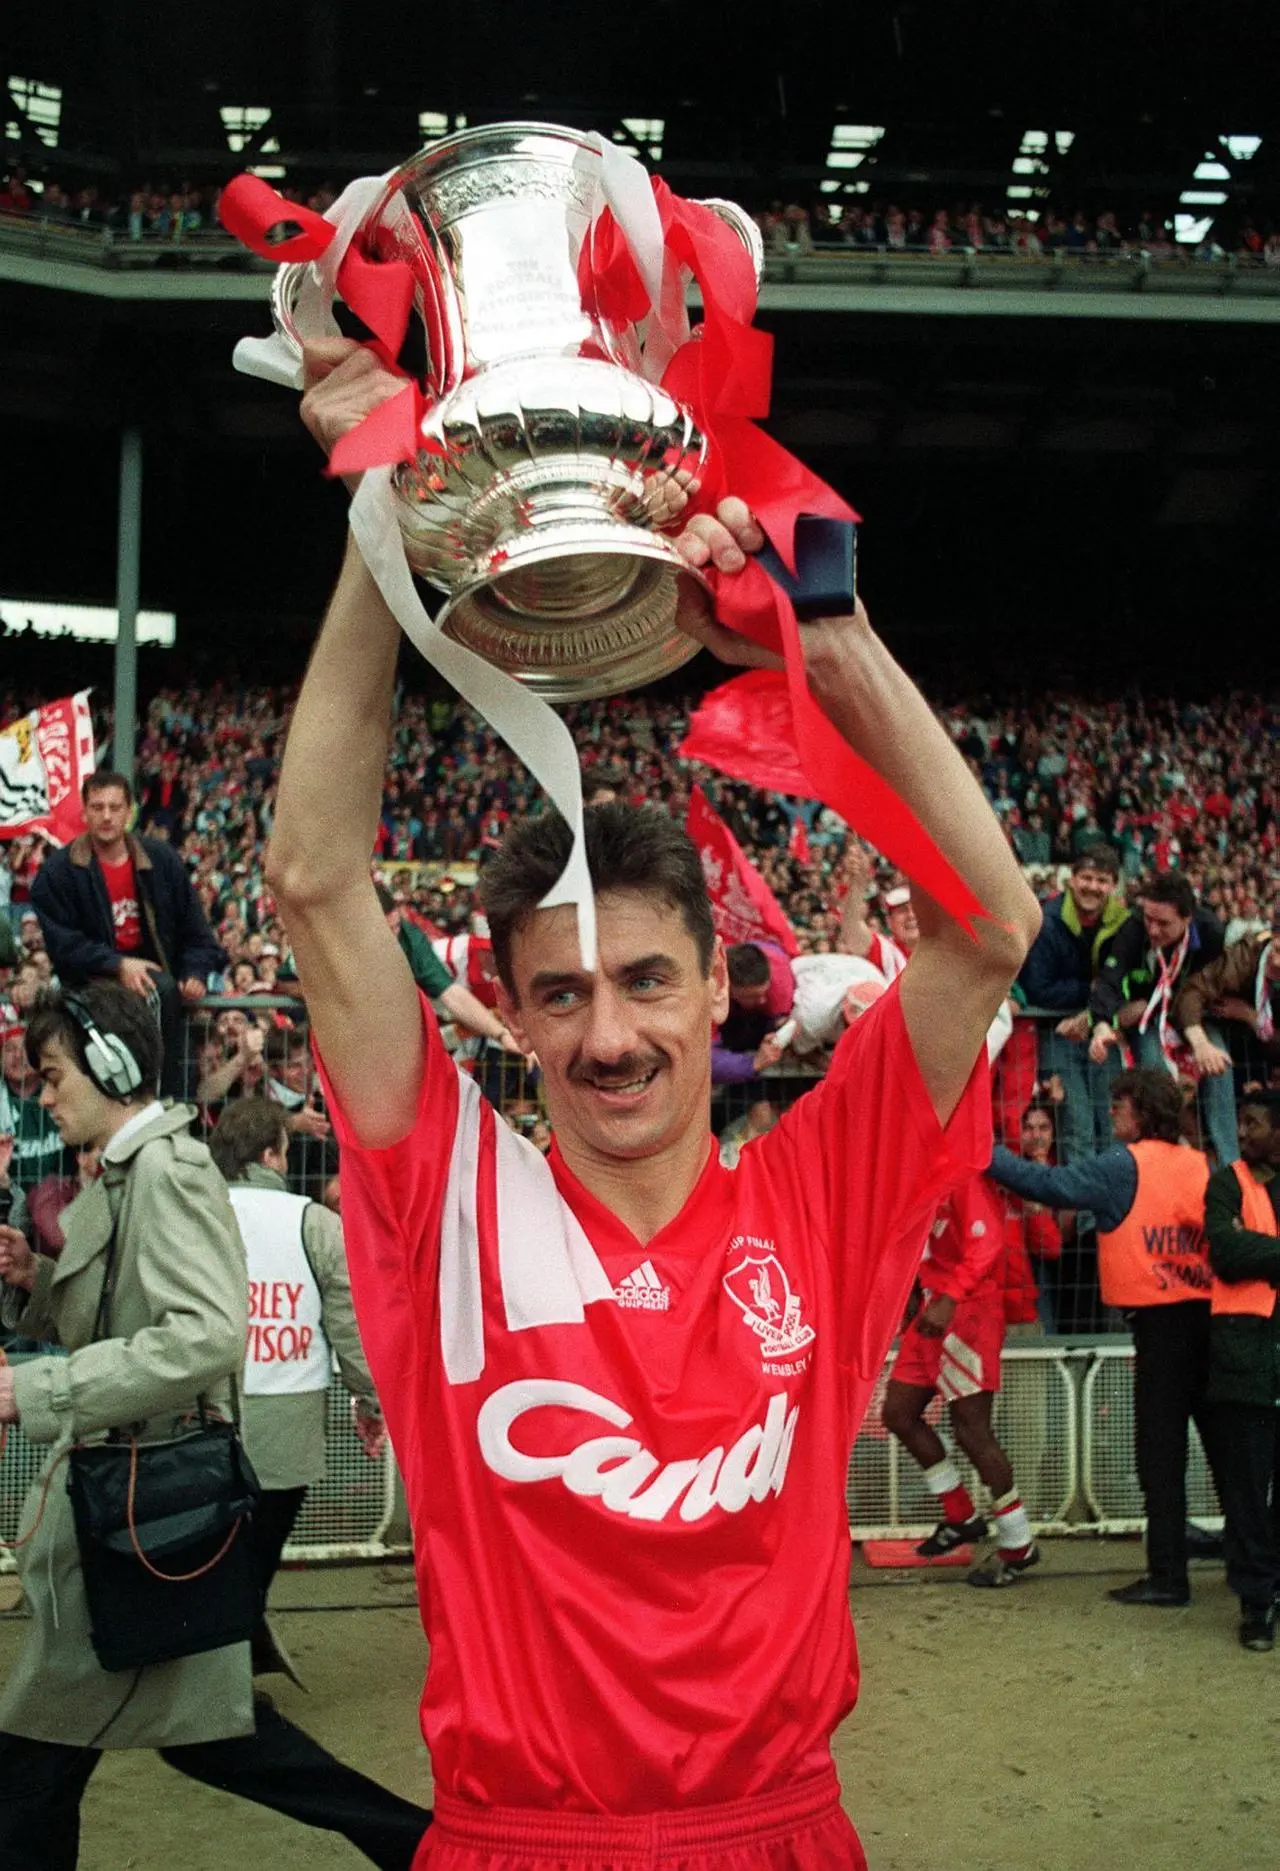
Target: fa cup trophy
<point x="536" y="498"/>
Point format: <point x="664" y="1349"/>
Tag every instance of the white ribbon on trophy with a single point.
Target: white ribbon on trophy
<point x="529" y="726"/>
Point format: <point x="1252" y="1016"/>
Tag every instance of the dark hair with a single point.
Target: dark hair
<point x="1096" y="858"/>
<point x="628" y="848"/>
<point x="386" y="902"/>
<point x="283" y="1044"/>
<point x="1156" y="1097"/>
<point x="245" y="1129"/>
<point x="113" y="1010"/>
<point x="1170" y="887"/>
<point x="748" y="965"/>
<point x="599" y="779"/>
<point x="1262" y="1099"/>
<point x="1040" y="1104"/>
<point x="99" y="782"/>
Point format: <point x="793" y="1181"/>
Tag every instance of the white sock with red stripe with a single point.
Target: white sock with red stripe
<point x="1012" y="1528"/>
<point x="943" y="1479"/>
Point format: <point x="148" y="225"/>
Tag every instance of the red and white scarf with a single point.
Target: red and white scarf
<point x="1266" y="1024"/>
<point x="1177" y="1054"/>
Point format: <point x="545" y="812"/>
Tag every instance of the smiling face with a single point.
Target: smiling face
<point x="903" y="926"/>
<point x="1091" y="887"/>
<point x="626" y="1051"/>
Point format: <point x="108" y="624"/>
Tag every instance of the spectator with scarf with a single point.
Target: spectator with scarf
<point x="1077" y="932"/>
<point x="1242" y="985"/>
<point x="1136" y="991"/>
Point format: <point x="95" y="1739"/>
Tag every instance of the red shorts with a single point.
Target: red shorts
<point x="801" y="1827"/>
<point x="962" y="1363"/>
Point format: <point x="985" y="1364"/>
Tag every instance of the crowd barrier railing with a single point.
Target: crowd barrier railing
<point x="1065" y="1413"/>
<point x="1109" y="1486"/>
<point x="349" y="1514"/>
<point x="1064" y="1416"/>
<point x="208" y="250"/>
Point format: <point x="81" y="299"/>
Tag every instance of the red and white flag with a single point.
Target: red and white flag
<point x="742" y="905"/>
<point x="44" y="759"/>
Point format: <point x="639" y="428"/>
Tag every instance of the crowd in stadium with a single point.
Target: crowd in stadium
<point x="1170" y="789"/>
<point x="178" y="211"/>
<point x="1186" y="785"/>
<point x="1149" y="830"/>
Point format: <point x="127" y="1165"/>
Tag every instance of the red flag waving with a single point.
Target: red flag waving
<point x="44" y="758"/>
<point x="743" y="907"/>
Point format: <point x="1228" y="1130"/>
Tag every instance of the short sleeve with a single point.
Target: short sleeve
<point x="392" y="1202"/>
<point x="428" y="970"/>
<point x="874" y="1162"/>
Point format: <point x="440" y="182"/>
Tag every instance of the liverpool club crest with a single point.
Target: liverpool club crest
<point x="759" y="1286"/>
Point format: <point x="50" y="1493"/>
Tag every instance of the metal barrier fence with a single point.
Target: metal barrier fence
<point x="347" y="1515"/>
<point x="1064" y="1416"/>
<point x="209" y="251"/>
<point x="1109" y="1489"/>
<point x="1036" y="1420"/>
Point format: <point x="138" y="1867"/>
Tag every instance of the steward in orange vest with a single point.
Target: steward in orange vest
<point x="1242" y="1204"/>
<point x="1147" y="1196"/>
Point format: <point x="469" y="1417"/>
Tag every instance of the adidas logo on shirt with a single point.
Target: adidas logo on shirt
<point x="643" y="1290"/>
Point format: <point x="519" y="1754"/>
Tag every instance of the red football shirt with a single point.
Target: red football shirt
<point x="966" y="1243"/>
<point x="625" y="1462"/>
<point x="122" y="890"/>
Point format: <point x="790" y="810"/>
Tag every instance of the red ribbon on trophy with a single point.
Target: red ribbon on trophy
<point x="722" y="373"/>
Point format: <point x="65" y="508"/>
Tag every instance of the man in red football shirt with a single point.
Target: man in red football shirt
<point x="951" y="1349"/>
<point x="623" y="1381"/>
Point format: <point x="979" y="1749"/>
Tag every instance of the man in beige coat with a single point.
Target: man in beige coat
<point x="175" y="1334"/>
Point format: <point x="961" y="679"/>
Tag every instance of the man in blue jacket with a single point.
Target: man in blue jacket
<point x="118" y="907"/>
<point x="1074" y="940"/>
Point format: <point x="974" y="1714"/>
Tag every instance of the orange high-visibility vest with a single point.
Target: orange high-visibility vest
<point x="1255" y="1297"/>
<point x="1158" y="1256"/>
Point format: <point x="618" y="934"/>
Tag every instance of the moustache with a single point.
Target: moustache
<point x="617" y="1072"/>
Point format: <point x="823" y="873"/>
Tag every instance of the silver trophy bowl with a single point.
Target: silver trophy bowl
<point x="537" y="501"/>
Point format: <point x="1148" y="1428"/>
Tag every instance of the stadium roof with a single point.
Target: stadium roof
<point x="1120" y="92"/>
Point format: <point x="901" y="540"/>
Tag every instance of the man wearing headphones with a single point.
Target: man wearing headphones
<point x="173" y="1337"/>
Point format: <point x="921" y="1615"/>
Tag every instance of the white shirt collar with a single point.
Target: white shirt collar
<point x="114" y="1149"/>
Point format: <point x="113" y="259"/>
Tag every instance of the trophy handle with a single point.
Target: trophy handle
<point x="743" y="226"/>
<point x="285" y="288"/>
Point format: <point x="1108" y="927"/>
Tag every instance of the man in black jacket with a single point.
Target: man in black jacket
<point x="1242" y="1221"/>
<point x="1136" y="988"/>
<point x="1075" y="938"/>
<point x="120" y="907"/>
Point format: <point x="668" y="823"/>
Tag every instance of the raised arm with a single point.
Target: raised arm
<point x="854" y="936"/>
<point x="1107" y="1183"/>
<point x="359" y="991"/>
<point x="954" y="982"/>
